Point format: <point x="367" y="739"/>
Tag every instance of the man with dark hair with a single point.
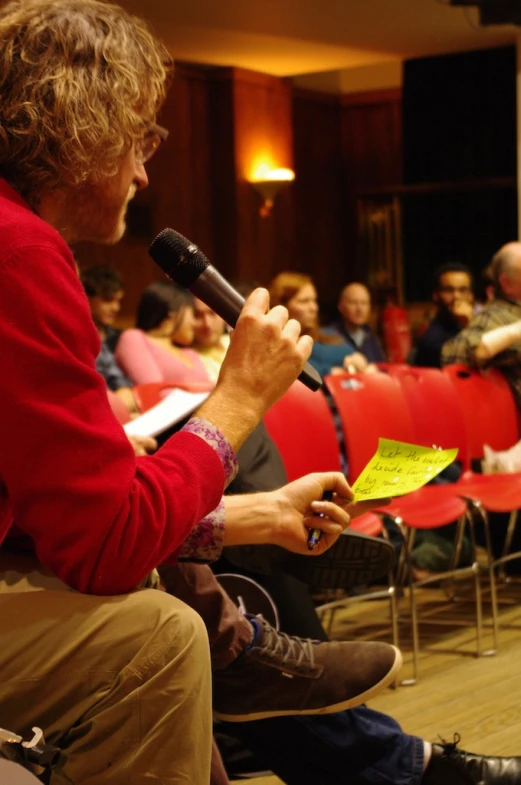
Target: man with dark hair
<point x="452" y="293"/>
<point x="493" y="336"/>
<point x="104" y="289"/>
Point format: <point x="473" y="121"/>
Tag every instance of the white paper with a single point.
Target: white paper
<point x="174" y="407"/>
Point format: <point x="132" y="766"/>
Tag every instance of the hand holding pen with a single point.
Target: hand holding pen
<point x="315" y="534"/>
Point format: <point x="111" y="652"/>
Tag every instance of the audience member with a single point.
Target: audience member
<point x="354" y="306"/>
<point x="104" y="289"/>
<point x="111" y="673"/>
<point x="452" y="293"/>
<point x="158" y="349"/>
<point x="330" y="353"/>
<point x="211" y="339"/>
<point x="493" y="336"/>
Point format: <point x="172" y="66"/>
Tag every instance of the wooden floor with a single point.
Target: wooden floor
<point x="479" y="698"/>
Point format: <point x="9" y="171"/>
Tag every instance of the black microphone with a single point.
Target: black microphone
<point x="186" y="265"/>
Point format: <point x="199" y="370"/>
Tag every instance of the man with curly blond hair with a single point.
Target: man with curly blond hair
<point x="118" y="673"/>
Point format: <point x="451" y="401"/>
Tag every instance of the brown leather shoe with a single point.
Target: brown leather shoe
<point x="452" y="766"/>
<point x="282" y="675"/>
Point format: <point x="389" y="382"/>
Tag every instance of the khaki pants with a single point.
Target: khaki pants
<point x="121" y="684"/>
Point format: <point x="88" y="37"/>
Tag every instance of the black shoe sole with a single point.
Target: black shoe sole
<point x="354" y="560"/>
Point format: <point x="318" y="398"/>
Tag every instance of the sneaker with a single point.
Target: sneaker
<point x="282" y="675"/>
<point x="452" y="766"/>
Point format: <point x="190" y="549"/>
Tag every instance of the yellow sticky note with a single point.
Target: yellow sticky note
<point x="398" y="468"/>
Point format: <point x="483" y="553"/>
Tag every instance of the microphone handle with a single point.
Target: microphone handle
<point x="218" y="295"/>
<point x="221" y="297"/>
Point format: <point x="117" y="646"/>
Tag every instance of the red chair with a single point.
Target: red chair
<point x="488" y="407"/>
<point x="301" y="425"/>
<point x="492" y="418"/>
<point x="373" y="406"/>
<point x="440" y="414"/>
<point x="152" y="393"/>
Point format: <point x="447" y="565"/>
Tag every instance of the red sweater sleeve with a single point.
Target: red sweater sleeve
<point x="100" y="518"/>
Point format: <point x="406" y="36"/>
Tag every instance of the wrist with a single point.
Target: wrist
<point x="252" y="519"/>
<point x="235" y="418"/>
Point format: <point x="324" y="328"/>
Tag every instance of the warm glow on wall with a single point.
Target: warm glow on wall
<point x="268" y="181"/>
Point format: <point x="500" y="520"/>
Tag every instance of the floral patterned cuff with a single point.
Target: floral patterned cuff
<point x="205" y="541"/>
<point x="212" y="435"/>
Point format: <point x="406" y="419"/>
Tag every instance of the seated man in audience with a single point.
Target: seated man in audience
<point x="354" y="306"/>
<point x="453" y="296"/>
<point x="111" y="673"/>
<point x="104" y="289"/>
<point x="121" y="678"/>
<point x="493" y="337"/>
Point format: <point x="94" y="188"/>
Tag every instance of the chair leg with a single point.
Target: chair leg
<point x="507" y="545"/>
<point x="477" y="507"/>
<point x="404" y="576"/>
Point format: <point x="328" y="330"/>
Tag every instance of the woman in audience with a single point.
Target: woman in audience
<point x="157" y="349"/>
<point x="330" y="353"/>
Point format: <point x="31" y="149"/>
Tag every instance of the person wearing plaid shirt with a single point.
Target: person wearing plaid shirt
<point x="493" y="337"/>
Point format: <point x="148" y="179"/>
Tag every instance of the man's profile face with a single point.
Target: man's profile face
<point x="105" y="309"/>
<point x="453" y="289"/>
<point x="208" y="326"/>
<point x="97" y="213"/>
<point x="355" y="305"/>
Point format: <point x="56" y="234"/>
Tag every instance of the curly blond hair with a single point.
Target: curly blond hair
<point x="80" y="81"/>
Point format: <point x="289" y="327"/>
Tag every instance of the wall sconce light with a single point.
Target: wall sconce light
<point x="268" y="183"/>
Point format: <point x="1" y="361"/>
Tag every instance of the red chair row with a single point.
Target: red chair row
<point x="454" y="408"/>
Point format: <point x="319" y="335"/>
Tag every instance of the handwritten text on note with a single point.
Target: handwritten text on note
<point x="398" y="468"/>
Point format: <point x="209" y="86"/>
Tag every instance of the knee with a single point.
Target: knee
<point x="168" y="629"/>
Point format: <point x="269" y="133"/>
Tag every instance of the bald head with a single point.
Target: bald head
<point x="505" y="270"/>
<point x="354" y="305"/>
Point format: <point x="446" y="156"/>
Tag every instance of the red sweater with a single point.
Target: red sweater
<point x="99" y="517"/>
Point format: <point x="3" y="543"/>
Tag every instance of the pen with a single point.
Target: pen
<point x="315" y="534"/>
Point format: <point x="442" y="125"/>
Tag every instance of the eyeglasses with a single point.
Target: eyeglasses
<point x="148" y="144"/>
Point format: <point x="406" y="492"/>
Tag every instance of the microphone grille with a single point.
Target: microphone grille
<point x="179" y="258"/>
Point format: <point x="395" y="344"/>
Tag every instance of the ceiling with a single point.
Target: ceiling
<point x="291" y="37"/>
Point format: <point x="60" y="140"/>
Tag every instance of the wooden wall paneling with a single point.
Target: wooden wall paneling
<point x="318" y="188"/>
<point x="223" y="171"/>
<point x="371" y="155"/>
<point x="180" y="182"/>
<point x="263" y="133"/>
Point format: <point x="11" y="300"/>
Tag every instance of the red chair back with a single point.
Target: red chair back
<point x="152" y="393"/>
<point x="370" y="406"/>
<point x="435" y="409"/>
<point x="301" y="425"/>
<point x="488" y="407"/>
